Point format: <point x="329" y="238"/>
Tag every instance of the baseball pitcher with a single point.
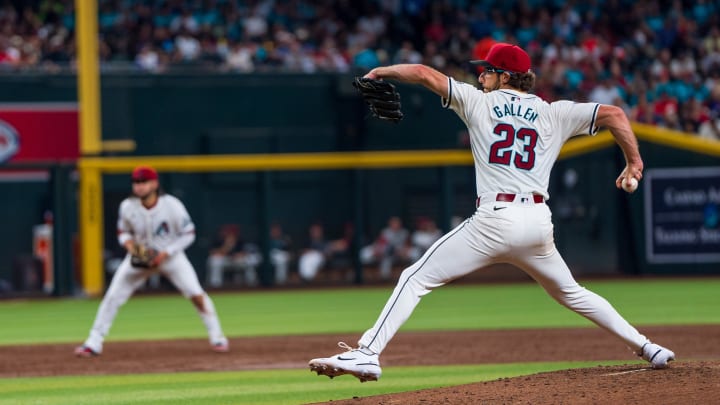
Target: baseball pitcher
<point x="515" y="139"/>
<point x="155" y="229"/>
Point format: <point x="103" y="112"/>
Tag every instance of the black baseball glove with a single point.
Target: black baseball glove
<point x="382" y="98"/>
<point x="143" y="257"/>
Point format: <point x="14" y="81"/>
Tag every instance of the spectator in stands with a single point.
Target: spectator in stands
<point x="390" y="247"/>
<point x="713" y="103"/>
<point x="187" y="47"/>
<point x="148" y="59"/>
<point x="407" y="54"/>
<point x="313" y="258"/>
<point x="341" y="251"/>
<point x="667" y="49"/>
<point x="605" y="92"/>
<point x="667" y="111"/>
<point x="322" y="254"/>
<point x="425" y="234"/>
<point x="240" y="57"/>
<point x="230" y="253"/>
<point x="710" y="129"/>
<point x="280" y="256"/>
<point x="643" y="111"/>
<point x="330" y="58"/>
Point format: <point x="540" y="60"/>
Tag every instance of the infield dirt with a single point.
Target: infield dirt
<point x="693" y="379"/>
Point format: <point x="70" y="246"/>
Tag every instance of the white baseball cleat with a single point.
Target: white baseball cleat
<point x="220" y="345"/>
<point x="361" y="363"/>
<point x="657" y="355"/>
<point x="85" y="351"/>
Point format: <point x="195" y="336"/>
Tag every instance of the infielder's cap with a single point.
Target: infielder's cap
<point x="144" y="173"/>
<point x="505" y="57"/>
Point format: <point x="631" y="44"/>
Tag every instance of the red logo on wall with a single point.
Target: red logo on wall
<point x="38" y="132"/>
<point x="8" y="141"/>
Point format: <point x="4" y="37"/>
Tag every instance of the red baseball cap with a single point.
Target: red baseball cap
<point x="502" y="56"/>
<point x="144" y="173"/>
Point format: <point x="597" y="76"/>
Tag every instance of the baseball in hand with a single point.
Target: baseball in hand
<point x="629" y="186"/>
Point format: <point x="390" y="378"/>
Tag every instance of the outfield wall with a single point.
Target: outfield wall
<point x="206" y="115"/>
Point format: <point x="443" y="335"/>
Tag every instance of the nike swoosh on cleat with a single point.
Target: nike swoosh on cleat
<point x="344" y="358"/>
<point x="498" y="208"/>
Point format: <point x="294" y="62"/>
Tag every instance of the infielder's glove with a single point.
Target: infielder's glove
<point x="382" y="98"/>
<point x="143" y="257"/>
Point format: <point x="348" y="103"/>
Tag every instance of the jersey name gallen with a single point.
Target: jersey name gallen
<point x="515" y="110"/>
<point x="516" y="137"/>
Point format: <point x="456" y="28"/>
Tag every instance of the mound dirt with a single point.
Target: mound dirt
<point x="693" y="378"/>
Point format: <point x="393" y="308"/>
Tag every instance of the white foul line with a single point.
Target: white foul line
<point x="627" y="372"/>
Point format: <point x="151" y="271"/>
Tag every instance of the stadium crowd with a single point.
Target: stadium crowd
<point x="659" y="60"/>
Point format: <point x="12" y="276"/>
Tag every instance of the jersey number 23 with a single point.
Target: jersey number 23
<point x="501" y="151"/>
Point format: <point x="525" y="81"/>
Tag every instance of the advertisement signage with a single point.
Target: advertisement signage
<point x="682" y="215"/>
<point x="38" y="132"/>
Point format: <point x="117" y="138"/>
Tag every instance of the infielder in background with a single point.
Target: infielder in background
<point x="515" y="139"/>
<point x="158" y="221"/>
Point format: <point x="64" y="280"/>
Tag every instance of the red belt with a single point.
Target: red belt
<point x="508" y="197"/>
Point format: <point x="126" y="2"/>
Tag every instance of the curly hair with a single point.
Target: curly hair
<point x="522" y="81"/>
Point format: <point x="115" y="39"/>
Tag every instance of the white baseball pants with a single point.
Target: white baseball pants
<point x="519" y="233"/>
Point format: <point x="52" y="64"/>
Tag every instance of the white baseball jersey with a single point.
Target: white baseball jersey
<point x="165" y="227"/>
<point x="516" y="137"/>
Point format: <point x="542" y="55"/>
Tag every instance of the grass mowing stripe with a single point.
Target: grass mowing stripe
<point x="252" y="387"/>
<point x="490" y="306"/>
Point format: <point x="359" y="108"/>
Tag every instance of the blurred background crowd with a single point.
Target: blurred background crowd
<point x="659" y="60"/>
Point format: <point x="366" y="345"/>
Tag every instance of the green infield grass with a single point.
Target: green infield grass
<point x="352" y="310"/>
<point x="262" y="387"/>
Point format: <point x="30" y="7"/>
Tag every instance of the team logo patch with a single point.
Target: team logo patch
<point x="9" y="141"/>
<point x="162" y="229"/>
